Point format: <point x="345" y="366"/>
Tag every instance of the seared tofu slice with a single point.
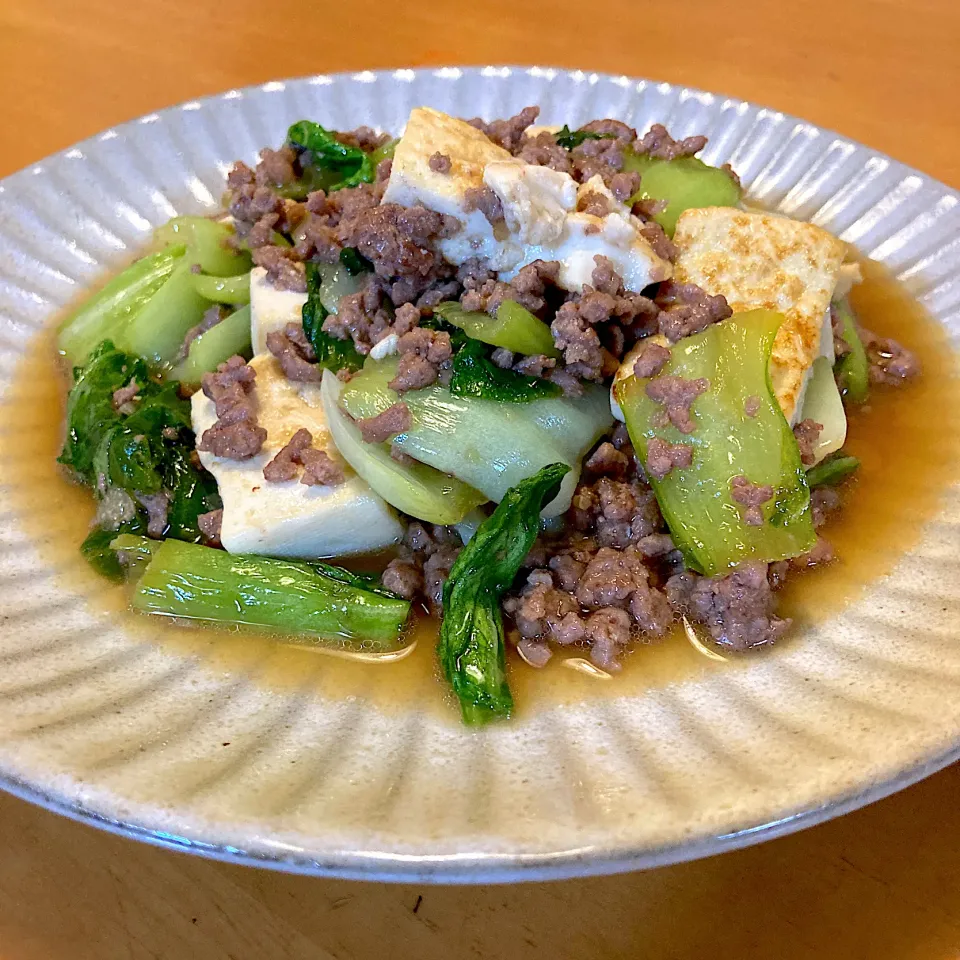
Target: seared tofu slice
<point x="539" y="204"/>
<point x="763" y="260"/>
<point x="291" y="519"/>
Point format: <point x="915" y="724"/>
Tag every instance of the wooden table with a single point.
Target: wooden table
<point x="881" y="883"/>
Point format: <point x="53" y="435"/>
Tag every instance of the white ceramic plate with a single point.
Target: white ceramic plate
<point x="127" y="733"/>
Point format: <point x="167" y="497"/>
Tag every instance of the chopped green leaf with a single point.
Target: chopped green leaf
<point x="475" y="375"/>
<point x="331" y="353"/>
<point x="325" y="152"/>
<point x="96" y="549"/>
<point x="852" y="369"/>
<point x="471" y="635"/>
<point x="568" y="139"/>
<point x="832" y="470"/>
<point x="354" y="262"/>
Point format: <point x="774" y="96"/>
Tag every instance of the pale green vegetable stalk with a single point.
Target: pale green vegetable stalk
<point x="223" y="289"/>
<point x="208" y="244"/>
<point x="230" y="337"/>
<point x="415" y="488"/>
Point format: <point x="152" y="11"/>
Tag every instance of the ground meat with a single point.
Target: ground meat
<point x="686" y="309"/>
<point x="393" y="420"/>
<point x="528" y="287"/>
<point x="399" y="242"/>
<point x="751" y="406"/>
<point x="404" y="578"/>
<point x="122" y="399"/>
<point x="890" y="362"/>
<point x="610" y="578"/>
<point x="362" y="317"/>
<point x="650" y="607"/>
<point x="440" y="163"/>
<point x="284" y="466"/>
<point x="624" y="185"/>
<point x="484" y="200"/>
<point x="540" y="608"/>
<point x="544" y="151"/>
<point x="283" y="269"/>
<point x="648" y="208"/>
<point x="211" y="317"/>
<point x="608" y="127"/>
<point x="320" y="469"/>
<point x="535" y="365"/>
<point x="737" y="608"/>
<point x="840" y="346"/>
<point x="677" y="394"/>
<point x="807" y="433"/>
<point x="236" y="434"/>
<point x="363" y="138"/>
<point x="422" y="352"/>
<point x="436" y="569"/>
<point x="209" y="524"/>
<point x="607" y="629"/>
<point x="824" y="501"/>
<point x="751" y="496"/>
<point x="509" y="133"/>
<point x="578" y="341"/>
<point x="502" y="358"/>
<point x="658" y="143"/>
<point x="651" y="360"/>
<point x="276" y="167"/>
<point x="608" y="461"/>
<point x="602" y="158"/>
<point x="157" y="506"/>
<point x="662" y="457"/>
<point x="659" y="242"/>
<point x="595" y="204"/>
<point x="619" y="513"/>
<point x="295" y="354"/>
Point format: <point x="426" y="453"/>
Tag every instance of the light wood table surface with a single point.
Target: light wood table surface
<point x="882" y="883"/>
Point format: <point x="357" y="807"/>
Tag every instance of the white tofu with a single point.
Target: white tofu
<point x="539" y="204"/>
<point x="412" y="181"/>
<point x="291" y="519"/>
<point x="760" y="260"/>
<point x="270" y="308"/>
<point x="387" y="347"/>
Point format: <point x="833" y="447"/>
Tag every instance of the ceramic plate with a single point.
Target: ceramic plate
<point x="125" y="731"/>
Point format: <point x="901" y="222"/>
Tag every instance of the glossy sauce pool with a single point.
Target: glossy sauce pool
<point x="907" y="445"/>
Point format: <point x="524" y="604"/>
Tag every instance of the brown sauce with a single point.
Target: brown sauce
<point x="906" y="444"/>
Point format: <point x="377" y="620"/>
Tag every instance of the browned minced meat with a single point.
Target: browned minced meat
<point x="294" y="353"/>
<point x="890" y="362"/>
<point x="236" y="434"/>
<point x="595" y="204"/>
<point x="283" y="269"/>
<point x="211" y="317"/>
<point x="824" y="501"/>
<point x="528" y="287"/>
<point x="365" y="138"/>
<point x="319" y="468"/>
<point x="660" y="243"/>
<point x="652" y="359"/>
<point x="607" y="461"/>
<point x="807" y="433"/>
<point x="502" y="357"/>
<point x="276" y="167"/>
<point x="209" y="524"/>
<point x="737" y="608"/>
<point x="686" y="309"/>
<point x="751" y="406"/>
<point x="422" y="352"/>
<point x="157" y="506"/>
<point x="751" y="496"/>
<point x="400" y="243"/>
<point x="648" y="208"/>
<point x="658" y="143"/>
<point x="440" y="163"/>
<point x="508" y="133"/>
<point x="840" y="346"/>
<point x="663" y="456"/>
<point x="362" y="317"/>
<point x="385" y="425"/>
<point x="617" y="513"/>
<point x="625" y="184"/>
<point x="606" y="302"/>
<point x="544" y="151"/>
<point x="122" y="399"/>
<point x="677" y="394"/>
<point x="426" y="558"/>
<point x="593" y="157"/>
<point x="484" y="200"/>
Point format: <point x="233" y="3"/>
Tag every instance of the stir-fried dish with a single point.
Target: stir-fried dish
<point x="565" y="384"/>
